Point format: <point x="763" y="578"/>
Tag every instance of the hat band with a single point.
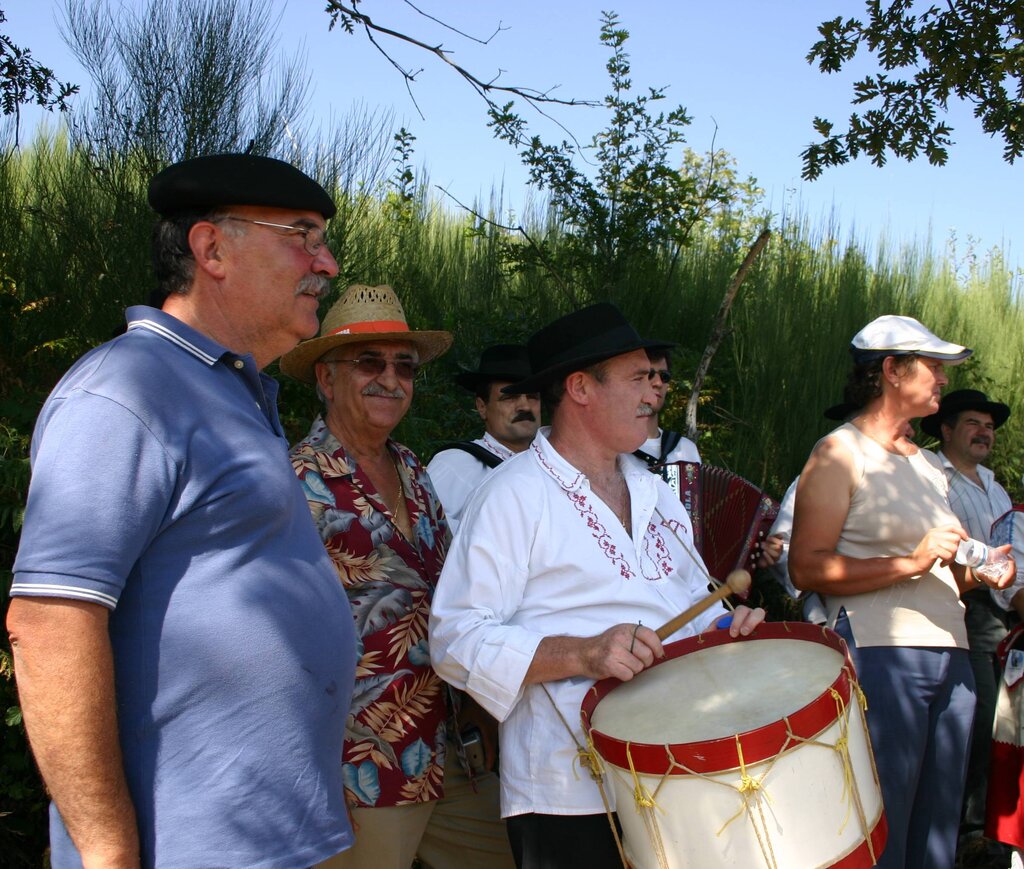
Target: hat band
<point x="370" y="326"/>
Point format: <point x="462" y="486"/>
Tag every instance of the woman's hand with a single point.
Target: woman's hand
<point x="939" y="544"/>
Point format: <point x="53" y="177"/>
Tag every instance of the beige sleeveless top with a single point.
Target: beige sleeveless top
<point x="895" y="501"/>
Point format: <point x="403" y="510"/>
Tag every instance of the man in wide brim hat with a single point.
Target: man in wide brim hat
<point x="382" y="524"/>
<point x="562" y="541"/>
<point x="965" y="426"/>
<point x="959" y="400"/>
<point x="510" y="424"/>
<point x="362" y="314"/>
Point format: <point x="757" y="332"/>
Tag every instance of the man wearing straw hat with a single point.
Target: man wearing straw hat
<point x="510" y="423"/>
<point x="184" y="655"/>
<point x="384" y="528"/>
<point x="568" y="558"/>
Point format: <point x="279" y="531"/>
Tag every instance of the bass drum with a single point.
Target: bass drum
<point x="742" y="752"/>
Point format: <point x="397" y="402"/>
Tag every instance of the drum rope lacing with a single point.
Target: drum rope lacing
<point x="591" y="761"/>
<point x="751" y="789"/>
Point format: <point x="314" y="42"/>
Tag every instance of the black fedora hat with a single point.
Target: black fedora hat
<point x="508" y="362"/>
<point x="959" y="400"/>
<point x="584" y="337"/>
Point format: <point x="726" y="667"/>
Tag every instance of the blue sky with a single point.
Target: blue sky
<point x="737" y="64"/>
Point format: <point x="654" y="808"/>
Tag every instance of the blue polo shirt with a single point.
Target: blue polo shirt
<point x="161" y="488"/>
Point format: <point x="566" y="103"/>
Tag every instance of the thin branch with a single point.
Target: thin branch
<point x="483" y="88"/>
<point x="718" y="331"/>
<point x="456" y="30"/>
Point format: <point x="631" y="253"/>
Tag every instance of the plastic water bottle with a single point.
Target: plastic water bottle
<point x="981" y="559"/>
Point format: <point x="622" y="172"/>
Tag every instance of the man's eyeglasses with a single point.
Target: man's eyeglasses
<point x="375" y="366"/>
<point x="663" y="373"/>
<point x="313" y="239"/>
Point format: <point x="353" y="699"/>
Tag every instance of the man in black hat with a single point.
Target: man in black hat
<point x="183" y="649"/>
<point x="568" y="558"/>
<point x="510" y="423"/>
<point x="965" y="424"/>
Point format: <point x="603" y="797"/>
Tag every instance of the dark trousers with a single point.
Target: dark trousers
<point x="563" y="842"/>
<point x="920" y="709"/>
<point x="986" y="678"/>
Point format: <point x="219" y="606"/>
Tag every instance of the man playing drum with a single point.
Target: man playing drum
<point x="568" y="558"/>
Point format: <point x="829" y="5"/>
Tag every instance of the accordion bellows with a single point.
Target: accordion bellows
<point x="730" y="516"/>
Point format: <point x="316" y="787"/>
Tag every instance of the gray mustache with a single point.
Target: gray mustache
<point x="376" y="389"/>
<point x="313" y="283"/>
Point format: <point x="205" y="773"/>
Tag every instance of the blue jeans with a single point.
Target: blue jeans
<point x="920" y="710"/>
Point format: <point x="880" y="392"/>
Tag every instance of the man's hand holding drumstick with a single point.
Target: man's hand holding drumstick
<point x="624" y="650"/>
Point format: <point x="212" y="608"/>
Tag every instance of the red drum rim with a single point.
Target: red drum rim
<point x="723" y="753"/>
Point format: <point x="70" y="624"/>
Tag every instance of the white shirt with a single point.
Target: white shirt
<point x="538" y="554"/>
<point x="1009" y="528"/>
<point x="684" y="451"/>
<point x="977" y="507"/>
<point x="456" y="475"/>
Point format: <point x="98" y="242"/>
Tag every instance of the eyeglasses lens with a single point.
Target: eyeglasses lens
<point x="663" y="373"/>
<point x="313" y="240"/>
<point x="374" y="366"/>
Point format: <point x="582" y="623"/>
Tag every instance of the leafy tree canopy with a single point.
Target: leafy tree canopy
<point x="970" y="50"/>
<point x="24" y="80"/>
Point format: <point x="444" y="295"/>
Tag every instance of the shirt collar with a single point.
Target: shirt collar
<point x="952" y="470"/>
<point x="496" y="447"/>
<point x="170" y="328"/>
<point x="572" y="479"/>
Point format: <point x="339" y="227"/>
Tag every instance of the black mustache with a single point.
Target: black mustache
<point x="524" y="416"/>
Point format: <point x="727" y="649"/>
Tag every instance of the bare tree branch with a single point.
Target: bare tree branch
<point x="718" y="331"/>
<point x="487" y="90"/>
<point x="456" y="30"/>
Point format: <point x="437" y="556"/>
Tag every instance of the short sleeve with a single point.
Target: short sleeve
<point x="102" y="486"/>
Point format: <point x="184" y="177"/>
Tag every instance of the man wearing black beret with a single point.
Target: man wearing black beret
<point x="184" y="652"/>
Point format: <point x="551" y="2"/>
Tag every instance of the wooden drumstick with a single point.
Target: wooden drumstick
<point x="736" y="582"/>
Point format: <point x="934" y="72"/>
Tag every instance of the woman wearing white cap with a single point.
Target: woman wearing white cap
<point x="874" y="534"/>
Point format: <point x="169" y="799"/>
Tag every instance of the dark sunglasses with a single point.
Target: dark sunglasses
<point x="375" y="366"/>
<point x="663" y="373"/>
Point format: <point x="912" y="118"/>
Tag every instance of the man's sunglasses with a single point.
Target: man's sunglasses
<point x="375" y="366"/>
<point x="663" y="373"/>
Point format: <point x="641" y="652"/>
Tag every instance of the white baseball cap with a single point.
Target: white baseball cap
<point x="894" y="335"/>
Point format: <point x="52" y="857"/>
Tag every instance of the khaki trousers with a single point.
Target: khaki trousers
<point x="463" y="830"/>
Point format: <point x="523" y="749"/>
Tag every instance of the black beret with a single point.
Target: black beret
<point x="204" y="183"/>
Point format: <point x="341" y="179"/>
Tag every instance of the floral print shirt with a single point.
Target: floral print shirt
<point x="395" y="733"/>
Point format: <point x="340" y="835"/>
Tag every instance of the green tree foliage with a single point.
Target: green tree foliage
<point x="968" y="50"/>
<point x="24" y="80"/>
<point x="638" y="206"/>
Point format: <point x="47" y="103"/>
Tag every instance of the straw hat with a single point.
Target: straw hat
<point x="362" y="314"/>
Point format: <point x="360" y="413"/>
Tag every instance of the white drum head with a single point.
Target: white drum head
<point x="718" y="691"/>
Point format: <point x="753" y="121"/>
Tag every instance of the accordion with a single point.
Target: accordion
<point x="730" y="515"/>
